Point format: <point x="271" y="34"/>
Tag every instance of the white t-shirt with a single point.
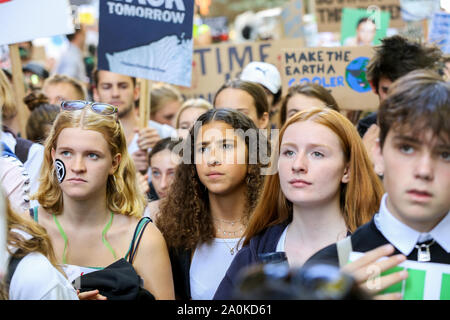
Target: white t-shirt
<point x="15" y="182"/>
<point x="33" y="163"/>
<point x="36" y="278"/>
<point x="209" y="265"/>
<point x="282" y="241"/>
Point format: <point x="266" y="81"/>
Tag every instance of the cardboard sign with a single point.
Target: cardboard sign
<point x="215" y="64"/>
<point x="426" y="280"/>
<point x="329" y="12"/>
<point x="369" y="32"/>
<point x="232" y="8"/>
<point x="292" y="19"/>
<point x="341" y="70"/>
<point x="440" y="31"/>
<point x="147" y="39"/>
<point x="24" y="20"/>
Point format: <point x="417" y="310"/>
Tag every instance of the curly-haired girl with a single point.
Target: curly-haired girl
<point x="215" y="189"/>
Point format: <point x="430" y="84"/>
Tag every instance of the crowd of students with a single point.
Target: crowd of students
<point x="188" y="203"/>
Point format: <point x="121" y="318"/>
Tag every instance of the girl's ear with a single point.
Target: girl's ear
<point x="115" y="163"/>
<point x="346" y="176"/>
<point x="53" y="154"/>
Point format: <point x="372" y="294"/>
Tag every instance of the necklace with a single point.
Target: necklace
<point x="231" y="248"/>
<point x="232" y="222"/>
<point x="230" y="233"/>
<point x="423" y="252"/>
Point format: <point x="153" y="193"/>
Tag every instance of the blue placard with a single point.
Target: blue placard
<point x="149" y="39"/>
<point x="440" y="31"/>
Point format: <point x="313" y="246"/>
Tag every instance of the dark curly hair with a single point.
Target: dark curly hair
<point x="185" y="218"/>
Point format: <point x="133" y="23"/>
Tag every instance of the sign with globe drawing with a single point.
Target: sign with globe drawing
<point x="341" y="70"/>
<point x="355" y="75"/>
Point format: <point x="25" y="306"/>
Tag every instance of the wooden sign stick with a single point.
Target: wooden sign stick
<point x="19" y="90"/>
<point x="144" y="103"/>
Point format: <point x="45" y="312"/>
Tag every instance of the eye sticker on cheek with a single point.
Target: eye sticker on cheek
<point x="60" y="169"/>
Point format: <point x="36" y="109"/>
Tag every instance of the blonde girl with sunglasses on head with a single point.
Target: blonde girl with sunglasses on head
<point x="89" y="200"/>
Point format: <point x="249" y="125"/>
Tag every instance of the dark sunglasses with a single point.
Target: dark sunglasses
<point x="97" y="107"/>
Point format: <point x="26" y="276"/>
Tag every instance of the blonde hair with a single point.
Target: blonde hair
<point x="61" y="78"/>
<point x="7" y="103"/>
<point x="192" y="103"/>
<point x="39" y="241"/>
<point x="122" y="192"/>
<point x="359" y="198"/>
<point x="161" y="94"/>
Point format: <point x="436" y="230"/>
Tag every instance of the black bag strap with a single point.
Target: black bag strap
<point x="22" y="148"/>
<point x="138" y="234"/>
<point x="12" y="266"/>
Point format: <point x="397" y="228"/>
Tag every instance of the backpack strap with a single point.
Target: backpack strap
<point x="12" y="266"/>
<point x="22" y="148"/>
<point x="137" y="237"/>
<point x="344" y="248"/>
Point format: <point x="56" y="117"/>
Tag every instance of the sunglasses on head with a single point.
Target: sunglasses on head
<point x="97" y="107"/>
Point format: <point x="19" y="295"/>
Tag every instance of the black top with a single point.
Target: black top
<point x="368" y="237"/>
<point x="180" y="260"/>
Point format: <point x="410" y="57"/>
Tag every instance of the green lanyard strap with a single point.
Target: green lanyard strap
<point x="64" y="236"/>
<point x="106" y="243"/>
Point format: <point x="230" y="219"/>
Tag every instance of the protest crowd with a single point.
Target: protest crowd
<point x="296" y="164"/>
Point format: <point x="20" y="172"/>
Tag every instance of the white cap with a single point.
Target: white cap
<point x="263" y="73"/>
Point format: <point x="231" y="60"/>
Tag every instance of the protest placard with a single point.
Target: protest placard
<point x="417" y="10"/>
<point x="24" y="20"/>
<point x="440" y="31"/>
<point x="426" y="280"/>
<point x="329" y="12"/>
<point x="147" y="39"/>
<point x="232" y="8"/>
<point x="44" y="18"/>
<point x="215" y="64"/>
<point x="341" y="70"/>
<point x="291" y="15"/>
<point x="359" y="27"/>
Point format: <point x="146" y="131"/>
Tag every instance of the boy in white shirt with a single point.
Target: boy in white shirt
<point x="413" y="152"/>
